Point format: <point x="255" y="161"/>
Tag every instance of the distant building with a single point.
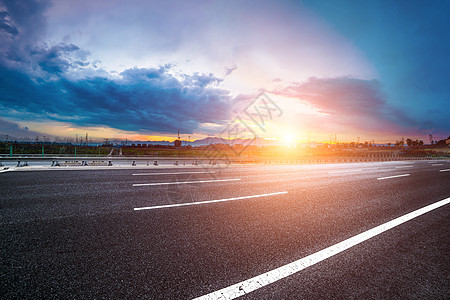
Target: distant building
<point x="177" y="142"/>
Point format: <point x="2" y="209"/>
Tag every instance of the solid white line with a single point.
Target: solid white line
<point x="404" y="167"/>
<point x="446" y="170"/>
<point x="252" y="284"/>
<point x="437" y="165"/>
<point x="184" y="182"/>
<point x="174" y="173"/>
<point x="209" y="201"/>
<point x="395" y="176"/>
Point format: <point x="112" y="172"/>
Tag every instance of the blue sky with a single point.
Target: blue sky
<point x="144" y="69"/>
<point x="408" y="43"/>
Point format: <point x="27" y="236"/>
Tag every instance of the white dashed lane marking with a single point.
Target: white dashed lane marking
<point x="172" y="173"/>
<point x="394" y="176"/>
<point x="185" y="182"/>
<point x="209" y="201"/>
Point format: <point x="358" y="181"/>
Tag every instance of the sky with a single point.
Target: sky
<point x="377" y="70"/>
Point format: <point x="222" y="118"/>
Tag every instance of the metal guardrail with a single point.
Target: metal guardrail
<point x="110" y="161"/>
<point x="142" y="157"/>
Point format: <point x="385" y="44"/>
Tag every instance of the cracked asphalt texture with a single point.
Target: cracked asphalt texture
<point x="74" y="234"/>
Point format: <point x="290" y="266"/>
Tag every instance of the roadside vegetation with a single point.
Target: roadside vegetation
<point x="236" y="151"/>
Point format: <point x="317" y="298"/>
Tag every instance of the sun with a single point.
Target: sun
<point x="289" y="140"/>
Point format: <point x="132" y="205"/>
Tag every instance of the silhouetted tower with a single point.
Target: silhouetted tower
<point x="177" y="142"/>
<point x="86" y="141"/>
<point x="431" y="139"/>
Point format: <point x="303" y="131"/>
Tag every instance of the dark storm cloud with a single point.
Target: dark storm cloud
<point x="22" y="23"/>
<point x="142" y="100"/>
<point x="351" y="102"/>
<point x="5" y="26"/>
<point x="37" y="83"/>
<point x="10" y="130"/>
<point x="53" y="61"/>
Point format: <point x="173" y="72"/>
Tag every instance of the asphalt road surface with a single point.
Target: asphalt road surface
<point x="113" y="234"/>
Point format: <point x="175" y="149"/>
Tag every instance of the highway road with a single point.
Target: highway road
<point x="331" y="231"/>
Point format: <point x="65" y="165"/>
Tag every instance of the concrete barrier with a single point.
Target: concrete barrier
<point x="69" y="163"/>
<point x="24" y="164"/>
<point x="98" y="163"/>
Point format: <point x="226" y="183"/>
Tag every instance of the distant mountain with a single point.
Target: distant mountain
<point x="208" y="140"/>
<point x="217" y="140"/>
